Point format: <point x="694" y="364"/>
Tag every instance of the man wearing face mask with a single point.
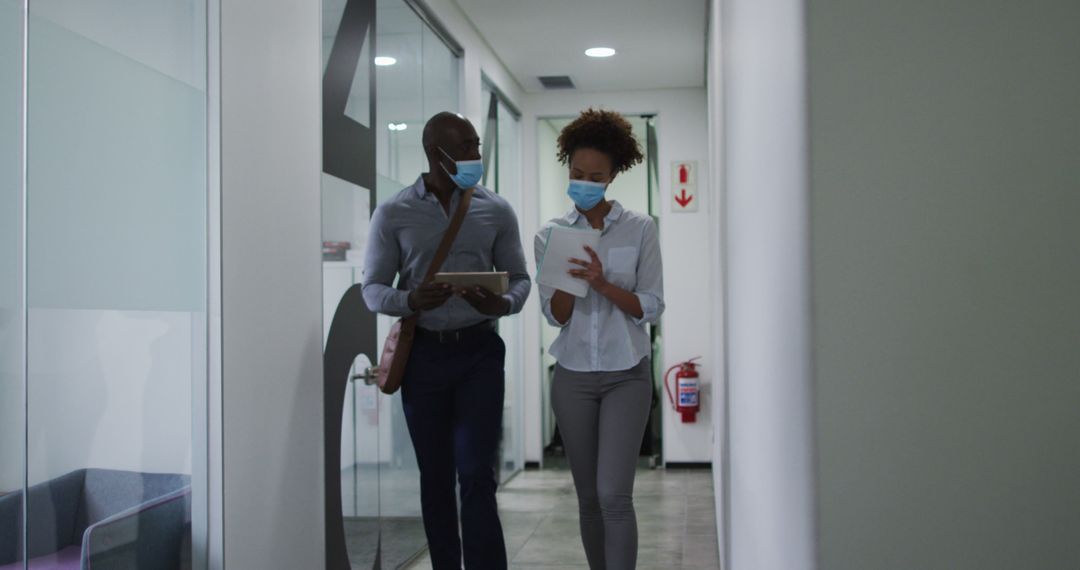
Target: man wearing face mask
<point x="453" y="388"/>
<point x="602" y="388"/>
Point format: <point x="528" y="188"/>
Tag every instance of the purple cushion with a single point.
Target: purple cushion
<point x="66" y="559"/>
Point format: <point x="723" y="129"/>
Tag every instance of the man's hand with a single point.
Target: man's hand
<point x="430" y="296"/>
<point x="483" y="300"/>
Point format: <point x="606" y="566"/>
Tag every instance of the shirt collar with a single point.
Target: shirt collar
<point x="613" y="216"/>
<point x="419" y="190"/>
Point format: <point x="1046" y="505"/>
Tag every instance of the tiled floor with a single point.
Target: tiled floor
<point x="675" y="511"/>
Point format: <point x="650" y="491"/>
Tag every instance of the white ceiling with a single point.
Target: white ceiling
<point x="660" y="43"/>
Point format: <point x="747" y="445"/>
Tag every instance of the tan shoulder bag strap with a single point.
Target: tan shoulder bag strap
<point x="398" y="345"/>
<point x="450" y="235"/>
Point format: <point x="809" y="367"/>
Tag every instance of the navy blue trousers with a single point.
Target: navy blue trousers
<point x="453" y="399"/>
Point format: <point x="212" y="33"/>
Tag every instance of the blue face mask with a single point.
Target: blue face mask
<point x="469" y="172"/>
<point x="586" y="194"/>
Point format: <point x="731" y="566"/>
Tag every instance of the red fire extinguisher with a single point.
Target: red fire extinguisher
<point x="687" y="388"/>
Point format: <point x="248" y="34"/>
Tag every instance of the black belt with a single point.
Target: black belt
<point x="456" y="335"/>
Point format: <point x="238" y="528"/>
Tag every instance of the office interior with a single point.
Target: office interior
<point x="867" y="214"/>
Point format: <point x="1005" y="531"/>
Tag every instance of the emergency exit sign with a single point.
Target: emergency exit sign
<point x="684" y="196"/>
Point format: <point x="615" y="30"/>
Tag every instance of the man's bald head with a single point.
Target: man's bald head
<point x="444" y="125"/>
<point x="453" y="135"/>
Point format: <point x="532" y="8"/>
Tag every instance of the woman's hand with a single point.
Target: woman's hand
<point x="593" y="271"/>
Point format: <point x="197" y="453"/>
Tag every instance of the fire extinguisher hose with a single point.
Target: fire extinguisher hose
<point x="667" y="387"/>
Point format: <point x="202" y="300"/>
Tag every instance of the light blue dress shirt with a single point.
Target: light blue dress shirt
<point x="404" y="234"/>
<point x="600" y="337"/>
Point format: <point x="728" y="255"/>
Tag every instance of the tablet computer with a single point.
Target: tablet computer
<point x="496" y="282"/>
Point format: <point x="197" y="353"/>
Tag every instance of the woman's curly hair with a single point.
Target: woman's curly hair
<point x="605" y="131"/>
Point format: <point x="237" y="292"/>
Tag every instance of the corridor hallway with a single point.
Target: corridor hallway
<point x="675" y="512"/>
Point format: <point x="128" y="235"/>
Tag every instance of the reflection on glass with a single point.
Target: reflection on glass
<point x="509" y="179"/>
<point x="554" y="202"/>
<point x="440" y="75"/>
<point x="11" y="309"/>
<point x="423" y="82"/>
<point x="400" y="113"/>
<point x="116" y="279"/>
<point x="332" y="11"/>
<point x="399" y="161"/>
<point x="500" y="131"/>
<point x="358" y="106"/>
<point x="346" y="208"/>
<point x="416" y="77"/>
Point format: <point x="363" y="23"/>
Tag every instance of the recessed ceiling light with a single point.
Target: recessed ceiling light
<point x="600" y="52"/>
<point x="397" y="126"/>
<point x="384" y="60"/>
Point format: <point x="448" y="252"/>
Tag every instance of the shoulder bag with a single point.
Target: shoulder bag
<point x="398" y="345"/>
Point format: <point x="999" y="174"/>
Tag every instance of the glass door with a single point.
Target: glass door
<point x="352" y="430"/>
<point x="653" y="446"/>
<point x="417" y="77"/>
<point x="12" y="310"/>
<point x="501" y="136"/>
<point x="115" y="311"/>
<point x="386" y="72"/>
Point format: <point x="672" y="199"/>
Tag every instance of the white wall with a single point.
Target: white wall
<point x="768" y="472"/>
<point x="715" y="113"/>
<point x="479" y="60"/>
<point x="269" y="452"/>
<point x="946" y="200"/>
<point x="688" y="255"/>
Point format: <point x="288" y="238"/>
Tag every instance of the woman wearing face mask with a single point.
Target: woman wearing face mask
<point x="602" y="388"/>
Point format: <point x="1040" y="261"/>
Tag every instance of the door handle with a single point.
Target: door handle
<point x="370" y="376"/>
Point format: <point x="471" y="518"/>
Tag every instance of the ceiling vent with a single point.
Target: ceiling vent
<point x="556" y="82"/>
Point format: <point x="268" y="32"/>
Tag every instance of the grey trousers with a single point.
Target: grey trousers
<point x="601" y="417"/>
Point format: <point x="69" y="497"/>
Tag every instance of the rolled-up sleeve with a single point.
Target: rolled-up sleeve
<point x="539" y="246"/>
<point x="510" y="257"/>
<point x="650" y="277"/>
<point x="381" y="264"/>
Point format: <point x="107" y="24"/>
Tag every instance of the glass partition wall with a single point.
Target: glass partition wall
<point x="12" y="310"/>
<point x="500" y="132"/>
<point x="98" y="447"/>
<point x="386" y="72"/>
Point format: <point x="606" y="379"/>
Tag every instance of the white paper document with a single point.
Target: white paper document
<point x="564" y="243"/>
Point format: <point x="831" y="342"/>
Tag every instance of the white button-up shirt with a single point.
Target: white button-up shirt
<point x="600" y="337"/>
